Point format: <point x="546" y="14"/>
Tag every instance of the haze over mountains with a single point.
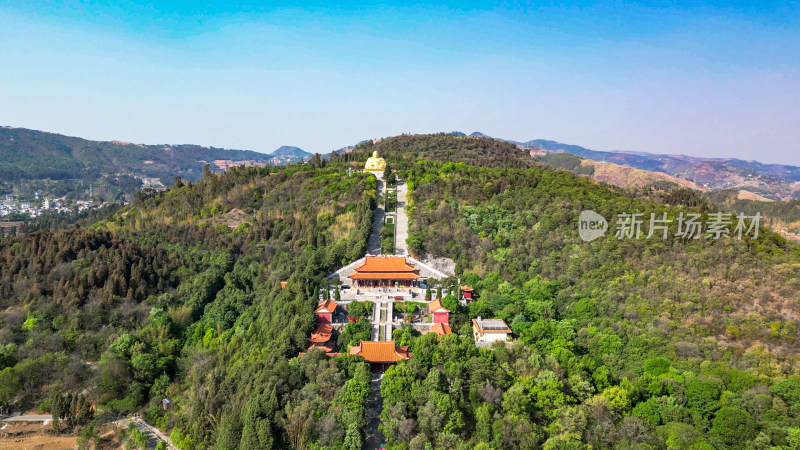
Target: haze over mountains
<point x="22" y="151"/>
<point x="288" y="150"/>
<point x="772" y="181"/>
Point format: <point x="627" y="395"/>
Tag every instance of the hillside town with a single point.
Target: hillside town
<point x="15" y="208"/>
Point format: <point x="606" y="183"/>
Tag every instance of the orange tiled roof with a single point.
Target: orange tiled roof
<point x="380" y="351"/>
<point x="385" y="264"/>
<point x="466" y="288"/>
<point x="441" y="329"/>
<point x="436" y="306"/>
<point x="384" y="276"/>
<point x="322" y="333"/>
<point x="326" y="306"/>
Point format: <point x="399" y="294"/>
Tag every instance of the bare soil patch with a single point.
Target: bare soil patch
<point x="231" y="219"/>
<point x="29" y="436"/>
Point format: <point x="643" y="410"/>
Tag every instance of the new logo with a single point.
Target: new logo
<point x="591" y="225"/>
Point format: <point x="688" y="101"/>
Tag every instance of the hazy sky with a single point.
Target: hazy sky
<point x="696" y="78"/>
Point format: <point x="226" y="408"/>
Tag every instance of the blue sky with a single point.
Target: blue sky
<point x="707" y="79"/>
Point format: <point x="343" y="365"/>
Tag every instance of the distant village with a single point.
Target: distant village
<point x="13" y="208"/>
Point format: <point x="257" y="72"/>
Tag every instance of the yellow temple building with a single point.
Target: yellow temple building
<point x="375" y="163"/>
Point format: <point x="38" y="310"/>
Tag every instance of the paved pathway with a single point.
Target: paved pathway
<point x="374" y="244"/>
<point x="382" y="319"/>
<point x="376" y="321"/>
<point x="27" y="418"/>
<point x="374" y="438"/>
<point x="401" y="221"/>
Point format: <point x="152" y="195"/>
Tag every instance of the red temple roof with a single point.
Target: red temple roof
<point x="322" y="333"/>
<point x="380" y="351"/>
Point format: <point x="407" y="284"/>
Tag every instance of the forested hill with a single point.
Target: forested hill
<point x="179" y="295"/>
<point x="626" y="343"/>
<point x="619" y="343"/>
<point x="477" y="151"/>
<point x="30" y="154"/>
<point x="623" y="343"/>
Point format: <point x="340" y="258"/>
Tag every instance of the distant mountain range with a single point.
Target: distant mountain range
<point x="32" y="154"/>
<point x="36" y="155"/>
<point x="772" y="181"/>
<point x="288" y="150"/>
<point x="32" y="160"/>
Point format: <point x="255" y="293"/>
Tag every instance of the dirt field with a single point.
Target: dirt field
<point x="29" y="436"/>
<point x="39" y="441"/>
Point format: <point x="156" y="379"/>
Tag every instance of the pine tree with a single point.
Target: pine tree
<point x="352" y="440"/>
<point x="69" y="414"/>
<point x="56" y="411"/>
<point x="85" y="413"/>
<point x="386" y="172"/>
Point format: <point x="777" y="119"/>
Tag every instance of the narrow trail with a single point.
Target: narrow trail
<point x="154" y="435"/>
<point x="374" y="438"/>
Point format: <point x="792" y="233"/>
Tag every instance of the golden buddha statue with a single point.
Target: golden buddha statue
<point x="375" y="163"/>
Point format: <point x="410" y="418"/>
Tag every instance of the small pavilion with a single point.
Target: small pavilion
<point x="321" y="338"/>
<point x="385" y="271"/>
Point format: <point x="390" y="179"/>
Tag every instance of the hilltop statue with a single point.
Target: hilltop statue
<point x="375" y="163"/>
